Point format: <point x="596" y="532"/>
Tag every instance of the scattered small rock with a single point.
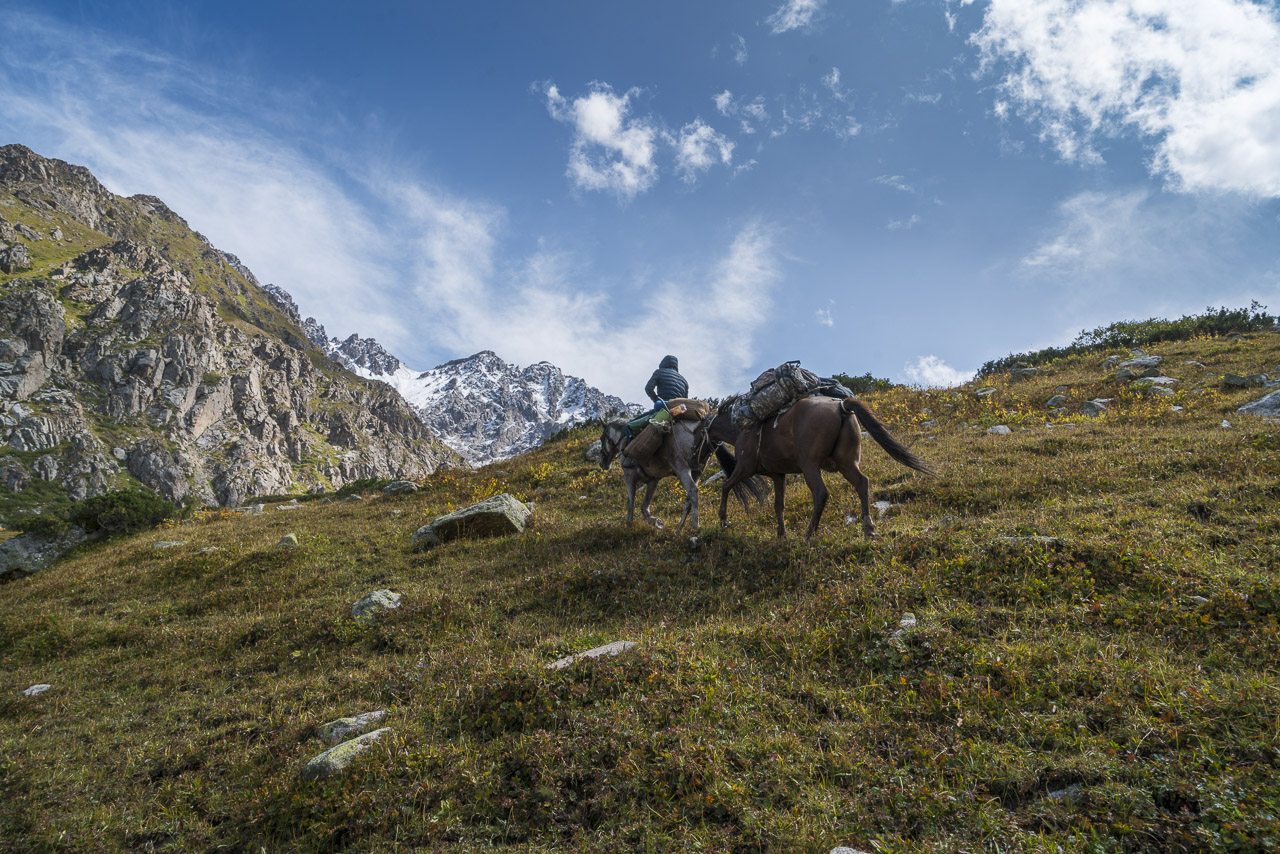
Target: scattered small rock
<point x="35" y="690"/>
<point x="168" y="544"/>
<point x="399" y="487"/>
<point x="288" y="541"/>
<point x="1109" y="362"/>
<point x="1035" y="540"/>
<point x="343" y="728"/>
<point x="1094" y="408"/>
<point x="1070" y="793"/>
<point x="252" y="509"/>
<point x="931" y="424"/>
<point x="883" y="507"/>
<point x="208" y="550"/>
<point x="1058" y="400"/>
<point x="984" y="392"/>
<point x="614" y="648"/>
<point x="375" y="603"/>
<point x="1198" y="601"/>
<point x="337" y="759"/>
<point x="999" y="430"/>
<point x="1225" y="424"/>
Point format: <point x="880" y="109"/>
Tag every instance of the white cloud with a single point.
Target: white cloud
<point x="932" y="372"/>
<point x="1198" y="80"/>
<point x="698" y="148"/>
<point x="897" y="182"/>
<point x="824" y="317"/>
<point x="724" y="103"/>
<point x="611" y="151"/>
<point x="794" y="14"/>
<point x="740" y="50"/>
<point x="909" y="222"/>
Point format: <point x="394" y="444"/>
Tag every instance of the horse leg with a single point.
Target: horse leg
<point x="862" y="485"/>
<point x="690" y="499"/>
<point x="813" y="477"/>
<point x="650" y="488"/>
<point x="745" y="468"/>
<point x="779" y="500"/>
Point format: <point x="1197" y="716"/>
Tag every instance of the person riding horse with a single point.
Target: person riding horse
<point x="667" y="383"/>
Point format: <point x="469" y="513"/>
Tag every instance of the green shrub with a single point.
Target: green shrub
<point x="864" y="383"/>
<point x="41" y="526"/>
<point x="123" y="511"/>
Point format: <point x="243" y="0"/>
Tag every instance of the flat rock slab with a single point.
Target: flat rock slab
<point x="1269" y="405"/>
<point x="1142" y="362"/>
<point x="36" y="690"/>
<point x="614" y="648"/>
<point x="999" y="430"/>
<point x="397" y="487"/>
<point x="338" y="759"/>
<point x="344" y="728"/>
<point x="288" y="541"/>
<point x="501" y="514"/>
<point x="375" y="603"/>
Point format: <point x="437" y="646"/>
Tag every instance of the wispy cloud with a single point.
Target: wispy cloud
<point x="739" y="49"/>
<point x="897" y="182"/>
<point x="933" y="372"/>
<point x="794" y="15"/>
<point x="1094" y="231"/>
<point x="611" y="150"/>
<point x="824" y="317"/>
<point x="1198" y="80"/>
<point x="910" y="222"/>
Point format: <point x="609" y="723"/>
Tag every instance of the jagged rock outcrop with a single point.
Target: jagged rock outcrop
<point x="154" y="360"/>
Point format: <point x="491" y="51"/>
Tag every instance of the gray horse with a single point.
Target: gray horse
<point x="683" y="453"/>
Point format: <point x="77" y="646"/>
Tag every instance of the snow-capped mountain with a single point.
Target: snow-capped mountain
<point x="482" y="407"/>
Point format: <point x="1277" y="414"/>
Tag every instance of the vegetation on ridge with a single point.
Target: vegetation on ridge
<point x="1091" y="665"/>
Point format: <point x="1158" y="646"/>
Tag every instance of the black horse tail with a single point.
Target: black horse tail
<point x="883" y="437"/>
<point x="749" y="488"/>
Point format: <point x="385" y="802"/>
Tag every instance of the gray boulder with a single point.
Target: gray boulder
<point x="400" y="487"/>
<point x="27" y="554"/>
<point x="984" y="392"/>
<point x="36" y="690"/>
<point x="1094" y="408"/>
<point x="1000" y="430"/>
<point x="1237" y="381"/>
<point x="1268" y="405"/>
<point x="375" y="603"/>
<point x="1141" y="363"/>
<point x="494" y="516"/>
<point x="593" y="452"/>
<point x="338" y="759"/>
<point x="344" y="728"/>
<point x="1056" y="401"/>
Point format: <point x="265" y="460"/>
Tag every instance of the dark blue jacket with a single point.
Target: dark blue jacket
<point x="666" y="382"/>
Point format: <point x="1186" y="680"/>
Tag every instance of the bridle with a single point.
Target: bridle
<point x="612" y="441"/>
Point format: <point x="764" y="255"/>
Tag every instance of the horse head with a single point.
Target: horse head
<point x="612" y="438"/>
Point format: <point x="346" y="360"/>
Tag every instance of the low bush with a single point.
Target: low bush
<point x="122" y="511"/>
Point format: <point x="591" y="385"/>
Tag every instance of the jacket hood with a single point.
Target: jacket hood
<point x="669" y="362"/>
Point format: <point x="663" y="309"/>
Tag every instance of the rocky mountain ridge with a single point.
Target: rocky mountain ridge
<point x="484" y="408"/>
<point x="132" y="350"/>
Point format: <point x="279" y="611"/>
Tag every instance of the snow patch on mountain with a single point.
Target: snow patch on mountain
<point x="482" y="407"/>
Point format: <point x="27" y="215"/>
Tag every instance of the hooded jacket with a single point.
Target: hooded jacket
<point x="666" y="382"/>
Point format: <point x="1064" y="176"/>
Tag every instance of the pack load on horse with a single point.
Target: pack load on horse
<point x="792" y="422"/>
<point x="772" y="391"/>
<point x="648" y="431"/>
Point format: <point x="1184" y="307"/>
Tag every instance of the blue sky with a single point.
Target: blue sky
<point x="906" y="187"/>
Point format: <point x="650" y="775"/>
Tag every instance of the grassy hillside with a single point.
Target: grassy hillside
<point x="1111" y="686"/>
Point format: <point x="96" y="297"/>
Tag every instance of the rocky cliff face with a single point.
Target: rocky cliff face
<point x="132" y="349"/>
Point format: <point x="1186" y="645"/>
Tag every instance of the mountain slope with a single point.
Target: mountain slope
<point x="132" y="350"/>
<point x="1066" y="641"/>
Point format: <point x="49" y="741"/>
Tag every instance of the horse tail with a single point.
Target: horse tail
<point x="894" y="448"/>
<point x="749" y="488"/>
<point x="727" y="460"/>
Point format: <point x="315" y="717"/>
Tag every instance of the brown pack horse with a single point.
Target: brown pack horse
<point x="816" y="433"/>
